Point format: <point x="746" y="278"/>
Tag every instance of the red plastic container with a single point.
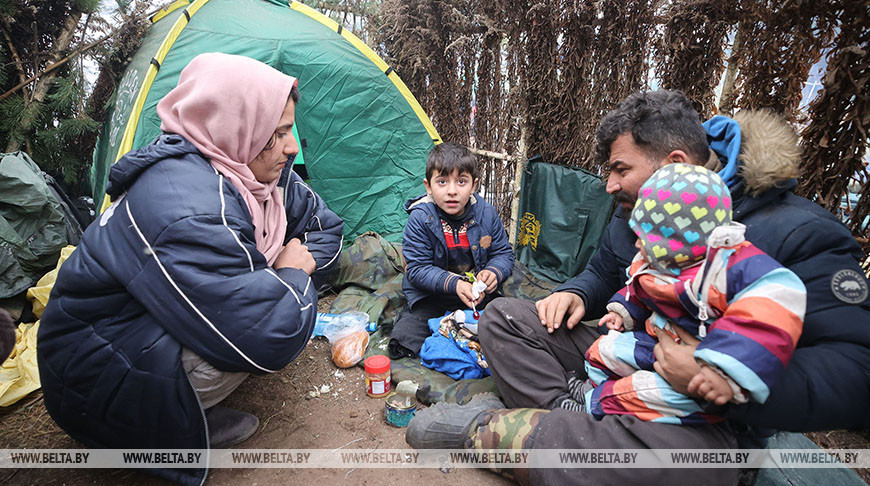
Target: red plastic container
<point x="377" y="376"/>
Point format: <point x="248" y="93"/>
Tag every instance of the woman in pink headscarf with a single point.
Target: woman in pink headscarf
<point x="198" y="274"/>
<point x="226" y="106"/>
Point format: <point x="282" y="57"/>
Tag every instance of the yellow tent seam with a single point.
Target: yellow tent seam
<point x="373" y="57"/>
<point x="159" y="56"/>
<point x="163" y="12"/>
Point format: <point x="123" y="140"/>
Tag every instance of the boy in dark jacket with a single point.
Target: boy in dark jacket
<point x="451" y="230"/>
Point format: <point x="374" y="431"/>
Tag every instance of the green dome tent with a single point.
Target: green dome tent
<point x="363" y="136"/>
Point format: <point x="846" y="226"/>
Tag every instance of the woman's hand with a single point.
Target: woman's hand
<point x="295" y="255"/>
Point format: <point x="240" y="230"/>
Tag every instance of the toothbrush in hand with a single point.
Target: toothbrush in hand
<point x="476" y="288"/>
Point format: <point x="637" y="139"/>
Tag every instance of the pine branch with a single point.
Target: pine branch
<point x="66" y="59"/>
<point x="59" y="63"/>
<point x="61" y="44"/>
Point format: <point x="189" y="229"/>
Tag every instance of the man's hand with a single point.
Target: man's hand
<point x="488" y="277"/>
<point x="463" y="290"/>
<point x="552" y="309"/>
<point x="676" y="361"/>
<point x="295" y="255"/>
<point x="710" y="386"/>
<point x="613" y="321"/>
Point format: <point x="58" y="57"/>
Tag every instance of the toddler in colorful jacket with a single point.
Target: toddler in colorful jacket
<point x="695" y="270"/>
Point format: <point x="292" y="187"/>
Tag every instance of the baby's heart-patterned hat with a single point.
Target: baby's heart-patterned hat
<point x="676" y="210"/>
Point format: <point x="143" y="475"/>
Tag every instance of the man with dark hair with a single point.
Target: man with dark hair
<point x="535" y="350"/>
<point x="658" y="121"/>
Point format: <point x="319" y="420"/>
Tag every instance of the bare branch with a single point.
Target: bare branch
<point x="19" y="66"/>
<point x="59" y="63"/>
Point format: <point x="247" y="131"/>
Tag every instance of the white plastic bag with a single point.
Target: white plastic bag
<point x="349" y="338"/>
<point x="346" y="323"/>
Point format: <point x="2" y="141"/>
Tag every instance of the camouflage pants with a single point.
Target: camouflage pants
<point x="506" y="429"/>
<point x="529" y="366"/>
<point x="531" y="428"/>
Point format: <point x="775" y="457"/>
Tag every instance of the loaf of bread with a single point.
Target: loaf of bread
<point x="350" y="349"/>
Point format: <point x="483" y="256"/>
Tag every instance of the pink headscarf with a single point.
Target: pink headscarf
<point x="228" y="107"/>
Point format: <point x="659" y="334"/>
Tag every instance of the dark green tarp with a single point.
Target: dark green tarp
<point x="32" y="225"/>
<point x="563" y="213"/>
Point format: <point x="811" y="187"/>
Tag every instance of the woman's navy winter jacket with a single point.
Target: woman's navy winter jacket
<point x="172" y="263"/>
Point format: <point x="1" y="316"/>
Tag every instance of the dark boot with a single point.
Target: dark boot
<point x="7" y="335"/>
<point x="228" y="427"/>
<point x="446" y="425"/>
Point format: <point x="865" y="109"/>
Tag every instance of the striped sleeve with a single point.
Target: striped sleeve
<point x="753" y="340"/>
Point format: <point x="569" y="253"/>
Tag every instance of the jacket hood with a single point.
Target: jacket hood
<point x="757" y="148"/>
<point x="420" y="202"/>
<point x="129" y="167"/>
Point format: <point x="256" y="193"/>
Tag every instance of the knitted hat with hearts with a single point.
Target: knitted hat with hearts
<point x="676" y="210"/>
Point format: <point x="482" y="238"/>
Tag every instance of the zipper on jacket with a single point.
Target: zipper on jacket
<point x="205" y="426"/>
<point x="702" y="316"/>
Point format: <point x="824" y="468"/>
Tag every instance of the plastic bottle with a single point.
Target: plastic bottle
<point x="323" y="319"/>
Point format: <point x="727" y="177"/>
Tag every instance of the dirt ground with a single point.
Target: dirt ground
<point x="342" y="416"/>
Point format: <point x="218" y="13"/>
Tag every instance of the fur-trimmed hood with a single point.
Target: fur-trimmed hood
<point x="769" y="151"/>
<point x="757" y="146"/>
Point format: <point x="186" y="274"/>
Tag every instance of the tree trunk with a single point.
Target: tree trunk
<point x="726" y="101"/>
<point x="517" y="184"/>
<point x="60" y="46"/>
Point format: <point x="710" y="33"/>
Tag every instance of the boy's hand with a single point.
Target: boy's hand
<point x="613" y="321"/>
<point x="488" y="277"/>
<point x="463" y="290"/>
<point x="710" y="386"/>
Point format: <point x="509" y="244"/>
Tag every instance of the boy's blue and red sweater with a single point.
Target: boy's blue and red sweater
<point x="427" y="255"/>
